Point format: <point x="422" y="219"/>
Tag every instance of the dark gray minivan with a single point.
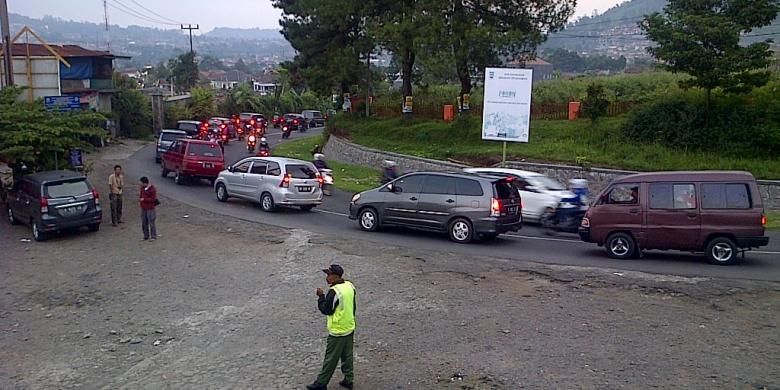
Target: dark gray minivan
<point x="54" y="200"/>
<point x="467" y="206"/>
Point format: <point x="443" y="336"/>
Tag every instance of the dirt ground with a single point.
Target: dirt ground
<point x="222" y="303"/>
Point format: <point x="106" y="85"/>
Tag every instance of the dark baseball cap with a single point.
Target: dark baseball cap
<point x="334" y="269"/>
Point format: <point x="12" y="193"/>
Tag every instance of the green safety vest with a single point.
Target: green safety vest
<point x="342" y="321"/>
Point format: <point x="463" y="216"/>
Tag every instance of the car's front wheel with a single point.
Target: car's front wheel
<point x="461" y="231"/>
<point x="722" y="251"/>
<point x="620" y="246"/>
<point x="11" y="217"/>
<point x="222" y="194"/>
<point x="267" y="202"/>
<point x="368" y="219"/>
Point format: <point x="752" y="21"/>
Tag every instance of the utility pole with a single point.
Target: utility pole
<point x="105" y="14"/>
<point x="8" y="56"/>
<point x="189" y="27"/>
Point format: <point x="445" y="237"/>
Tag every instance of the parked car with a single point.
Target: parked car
<point x="313" y="118"/>
<point x="192" y="128"/>
<point x="193" y="159"/>
<point x="719" y="213"/>
<point x="540" y="193"/>
<point x="467" y="206"/>
<point x="165" y="140"/>
<point x="52" y="201"/>
<point x="295" y="122"/>
<point x="272" y="182"/>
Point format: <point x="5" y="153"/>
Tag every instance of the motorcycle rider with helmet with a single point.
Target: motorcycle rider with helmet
<point x="389" y="171"/>
<point x="319" y="161"/>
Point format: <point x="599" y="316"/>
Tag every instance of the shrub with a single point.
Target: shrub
<point x="595" y="104"/>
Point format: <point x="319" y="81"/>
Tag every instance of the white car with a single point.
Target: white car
<point x="272" y="182"/>
<point x="539" y="193"/>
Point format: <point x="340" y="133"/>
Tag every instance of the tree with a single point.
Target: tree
<point x="41" y="138"/>
<point x="595" y="104"/>
<point x="184" y="71"/>
<point x="702" y="38"/>
<point x="481" y="33"/>
<point x="203" y="105"/>
<point x="131" y="108"/>
<point x="211" y="63"/>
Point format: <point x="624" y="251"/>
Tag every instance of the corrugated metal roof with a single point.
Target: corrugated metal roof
<point x="38" y="50"/>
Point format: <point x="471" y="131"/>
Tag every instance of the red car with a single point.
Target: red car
<point x="193" y="159"/>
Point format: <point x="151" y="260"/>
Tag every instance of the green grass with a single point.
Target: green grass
<point x="348" y="177"/>
<point x="773" y="220"/>
<point x="599" y="145"/>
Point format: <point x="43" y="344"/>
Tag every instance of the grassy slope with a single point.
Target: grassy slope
<point x="773" y="220"/>
<point x="550" y="141"/>
<point x="350" y="178"/>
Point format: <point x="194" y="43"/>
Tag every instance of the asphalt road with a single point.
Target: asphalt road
<point x="530" y="244"/>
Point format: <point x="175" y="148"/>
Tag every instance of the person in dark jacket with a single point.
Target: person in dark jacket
<point x="339" y="305"/>
<point x="148" y="209"/>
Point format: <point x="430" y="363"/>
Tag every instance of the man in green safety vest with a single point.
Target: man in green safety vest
<point x="339" y="305"/>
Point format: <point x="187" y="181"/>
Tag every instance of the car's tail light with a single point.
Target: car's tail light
<point x="495" y="208"/>
<point x="295" y="121"/>
<point x="44" y="205"/>
<point x="763" y="220"/>
<point x="585" y="222"/>
<point x="320" y="179"/>
<point x="252" y="122"/>
<point x="96" y="196"/>
<point x="286" y="181"/>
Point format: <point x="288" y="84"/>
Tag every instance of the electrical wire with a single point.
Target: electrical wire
<point x="129" y="11"/>
<point x="155" y="13"/>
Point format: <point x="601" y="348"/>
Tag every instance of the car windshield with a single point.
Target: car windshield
<point x="66" y="189"/>
<point x="547" y="183"/>
<point x="170" y="137"/>
<point x="300" y="171"/>
<point x="205" y="150"/>
<point x="316" y="114"/>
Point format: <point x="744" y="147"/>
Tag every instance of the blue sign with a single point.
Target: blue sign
<point x="76" y="158"/>
<point x="62" y="103"/>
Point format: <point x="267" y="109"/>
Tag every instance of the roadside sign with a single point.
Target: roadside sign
<point x="408" y="101"/>
<point x="61" y="103"/>
<point x="76" y="158"/>
<point x="506" y="112"/>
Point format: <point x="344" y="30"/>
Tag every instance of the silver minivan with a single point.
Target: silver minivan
<point x="272" y="182"/>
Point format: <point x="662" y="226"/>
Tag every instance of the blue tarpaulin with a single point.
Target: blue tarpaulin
<point x="80" y="69"/>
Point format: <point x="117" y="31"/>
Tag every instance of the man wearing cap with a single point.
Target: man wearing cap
<point x="339" y="305"/>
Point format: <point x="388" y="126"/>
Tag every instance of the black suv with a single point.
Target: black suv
<point x="52" y="201"/>
<point x="467" y="206"/>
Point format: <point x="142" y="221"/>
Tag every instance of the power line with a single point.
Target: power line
<point x="155" y="13"/>
<point x="129" y="11"/>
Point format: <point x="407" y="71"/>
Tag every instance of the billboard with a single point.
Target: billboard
<point x="506" y="112"/>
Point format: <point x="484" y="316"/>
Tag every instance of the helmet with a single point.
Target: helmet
<point x="319" y="156"/>
<point x="263" y="139"/>
<point x="389" y="163"/>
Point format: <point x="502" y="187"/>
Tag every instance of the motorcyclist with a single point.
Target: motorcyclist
<point x="389" y="171"/>
<point x="319" y="161"/>
<point x="264" y="144"/>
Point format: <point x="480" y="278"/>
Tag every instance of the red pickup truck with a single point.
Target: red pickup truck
<point x="193" y="159"/>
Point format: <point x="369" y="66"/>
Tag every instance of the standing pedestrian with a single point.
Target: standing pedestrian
<point x="116" y="181"/>
<point x="339" y="305"/>
<point x="148" y="204"/>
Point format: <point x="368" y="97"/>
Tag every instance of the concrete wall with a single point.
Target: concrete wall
<point x="340" y="150"/>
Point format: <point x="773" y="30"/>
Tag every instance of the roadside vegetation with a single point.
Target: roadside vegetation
<point x="601" y="144"/>
<point x="348" y="177"/>
<point x="773" y="220"/>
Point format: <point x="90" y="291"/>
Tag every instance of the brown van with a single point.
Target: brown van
<point x="719" y="213"/>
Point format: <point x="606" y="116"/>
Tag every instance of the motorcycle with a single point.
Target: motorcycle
<point x="263" y="152"/>
<point x="251" y="142"/>
<point x="327" y="181"/>
<point x="566" y="217"/>
<point x="286" y="132"/>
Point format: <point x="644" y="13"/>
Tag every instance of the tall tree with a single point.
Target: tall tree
<point x="481" y="33"/>
<point x="702" y="38"/>
<point x="184" y="71"/>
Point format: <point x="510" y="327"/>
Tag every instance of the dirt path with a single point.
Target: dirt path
<point x="222" y="303"/>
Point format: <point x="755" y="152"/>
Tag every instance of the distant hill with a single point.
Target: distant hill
<point x="245" y="33"/>
<point x="148" y="45"/>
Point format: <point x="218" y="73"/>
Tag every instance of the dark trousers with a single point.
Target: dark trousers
<point x="147" y="223"/>
<point x="339" y="348"/>
<point x="116" y="208"/>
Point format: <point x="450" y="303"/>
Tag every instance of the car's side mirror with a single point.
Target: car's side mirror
<point x="532" y="188"/>
<point x="230" y="168"/>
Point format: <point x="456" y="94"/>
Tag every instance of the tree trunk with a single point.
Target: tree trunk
<point x="465" y="84"/>
<point x="407" y="67"/>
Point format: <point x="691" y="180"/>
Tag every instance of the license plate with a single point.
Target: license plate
<point x="208" y="165"/>
<point x="69" y="211"/>
<point x="304" y="188"/>
<point x="512" y="210"/>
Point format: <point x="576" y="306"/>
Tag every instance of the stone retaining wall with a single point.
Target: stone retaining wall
<point x="341" y="150"/>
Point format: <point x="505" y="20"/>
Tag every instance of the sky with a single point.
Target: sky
<point x="170" y="13"/>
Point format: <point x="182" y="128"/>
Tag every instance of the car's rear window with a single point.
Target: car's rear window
<point x="299" y="171"/>
<point x="171" y="136"/>
<point x="66" y="189"/>
<point x="204" y="150"/>
<point x="188" y="127"/>
<point x="316" y="114"/>
<point x="506" y="189"/>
